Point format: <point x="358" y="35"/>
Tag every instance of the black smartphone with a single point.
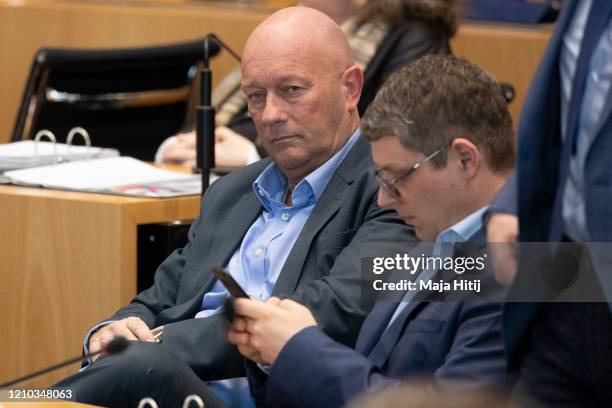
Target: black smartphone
<point x="229" y="282"/>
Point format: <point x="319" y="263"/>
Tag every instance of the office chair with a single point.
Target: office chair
<point x="130" y="99"/>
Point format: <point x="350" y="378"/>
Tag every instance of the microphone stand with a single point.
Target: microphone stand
<point x="115" y="346"/>
<point x="205" y="113"/>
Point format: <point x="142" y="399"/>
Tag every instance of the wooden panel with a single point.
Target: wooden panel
<point x="68" y="261"/>
<point x="27" y="26"/>
<point x="510" y="53"/>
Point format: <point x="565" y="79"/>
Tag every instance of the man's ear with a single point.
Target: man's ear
<point x="352" y="81"/>
<point x="468" y="155"/>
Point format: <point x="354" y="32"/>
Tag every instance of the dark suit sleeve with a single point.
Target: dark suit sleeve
<point x="476" y="357"/>
<point x="334" y="297"/>
<point x="313" y="370"/>
<point x="162" y="295"/>
<point x="506" y="200"/>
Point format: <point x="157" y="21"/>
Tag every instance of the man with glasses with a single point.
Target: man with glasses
<point x="441" y="137"/>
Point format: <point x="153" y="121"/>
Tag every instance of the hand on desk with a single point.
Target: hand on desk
<point x="502" y="232"/>
<point x="261" y="330"/>
<point x="132" y="328"/>
<point x="231" y="149"/>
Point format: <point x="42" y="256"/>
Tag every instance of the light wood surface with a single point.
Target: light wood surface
<point x="68" y="261"/>
<point x="510" y="53"/>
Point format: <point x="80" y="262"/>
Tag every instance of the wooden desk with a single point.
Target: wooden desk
<point x="67" y="261"/>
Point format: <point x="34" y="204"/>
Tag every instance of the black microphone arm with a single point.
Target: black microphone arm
<point x="205" y="119"/>
<point x="115" y="346"/>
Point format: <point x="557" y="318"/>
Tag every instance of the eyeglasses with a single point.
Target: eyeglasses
<point x="389" y="185"/>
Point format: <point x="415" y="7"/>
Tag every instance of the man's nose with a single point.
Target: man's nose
<point x="273" y="111"/>
<point x="385" y="199"/>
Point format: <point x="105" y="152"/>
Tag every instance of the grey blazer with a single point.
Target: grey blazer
<point x="322" y="271"/>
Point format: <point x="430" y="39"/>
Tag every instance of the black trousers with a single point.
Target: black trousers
<point x="142" y="370"/>
<point x="569" y="357"/>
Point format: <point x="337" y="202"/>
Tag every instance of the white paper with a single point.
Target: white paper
<point x="96" y="174"/>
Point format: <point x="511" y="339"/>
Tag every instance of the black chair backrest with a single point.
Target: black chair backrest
<point x="130" y="99"/>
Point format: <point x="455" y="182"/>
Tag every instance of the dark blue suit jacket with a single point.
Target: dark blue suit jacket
<point x="543" y="170"/>
<point x="457" y="343"/>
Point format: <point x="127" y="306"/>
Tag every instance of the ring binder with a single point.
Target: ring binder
<point x="79" y="131"/>
<point x="51" y="136"/>
<point x="193" y="398"/>
<point x="147" y="401"/>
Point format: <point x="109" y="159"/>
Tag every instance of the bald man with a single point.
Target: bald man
<point x="288" y="226"/>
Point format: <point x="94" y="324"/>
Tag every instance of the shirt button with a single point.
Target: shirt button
<point x="258" y="252"/>
<point x="285" y="216"/>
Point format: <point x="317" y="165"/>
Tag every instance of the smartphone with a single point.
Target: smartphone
<point x="229" y="282"/>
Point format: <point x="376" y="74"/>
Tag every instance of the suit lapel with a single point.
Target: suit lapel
<point x="595" y="25"/>
<point x="383" y="342"/>
<point x="328" y="205"/>
<point x="374" y="325"/>
<point x="605" y="115"/>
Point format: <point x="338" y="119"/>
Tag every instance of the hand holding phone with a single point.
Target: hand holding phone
<point x="234" y="289"/>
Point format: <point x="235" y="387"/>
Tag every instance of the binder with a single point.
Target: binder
<point x="115" y="175"/>
<point x="34" y="153"/>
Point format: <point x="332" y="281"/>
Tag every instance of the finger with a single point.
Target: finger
<point x="94" y="345"/>
<point x="238" y="338"/>
<point x="102" y="340"/>
<point x="251" y="308"/>
<point x="239" y="324"/>
<point x="121" y="330"/>
<point x="250" y="353"/>
<point x="139" y="329"/>
<point x="274" y="301"/>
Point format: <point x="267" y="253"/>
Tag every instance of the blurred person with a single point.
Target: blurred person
<point x="383" y="34"/>
<point x="424" y="394"/>
<point x="562" y="193"/>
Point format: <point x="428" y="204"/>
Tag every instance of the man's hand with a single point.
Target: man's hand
<point x="502" y="233"/>
<point x="181" y="150"/>
<point x="267" y="327"/>
<point x="132" y="328"/>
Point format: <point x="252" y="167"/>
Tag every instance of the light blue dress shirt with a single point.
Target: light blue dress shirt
<point x="460" y="232"/>
<point x="258" y="261"/>
<point x="596" y="91"/>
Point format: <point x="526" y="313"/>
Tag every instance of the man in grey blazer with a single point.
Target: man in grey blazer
<point x="288" y="226"/>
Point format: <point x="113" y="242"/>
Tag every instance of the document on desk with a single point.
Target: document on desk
<point x="27" y="153"/>
<point x="115" y="175"/>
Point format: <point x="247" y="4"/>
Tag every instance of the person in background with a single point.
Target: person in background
<point x="384" y="35"/>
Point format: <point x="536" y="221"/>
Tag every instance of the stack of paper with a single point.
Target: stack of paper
<point x="26" y="154"/>
<point x="115" y="175"/>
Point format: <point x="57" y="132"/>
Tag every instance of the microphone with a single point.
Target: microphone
<point x="205" y="119"/>
<point x="115" y="346"/>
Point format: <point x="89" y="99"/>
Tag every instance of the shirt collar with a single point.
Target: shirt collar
<point x="464" y="229"/>
<point x="270" y="186"/>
